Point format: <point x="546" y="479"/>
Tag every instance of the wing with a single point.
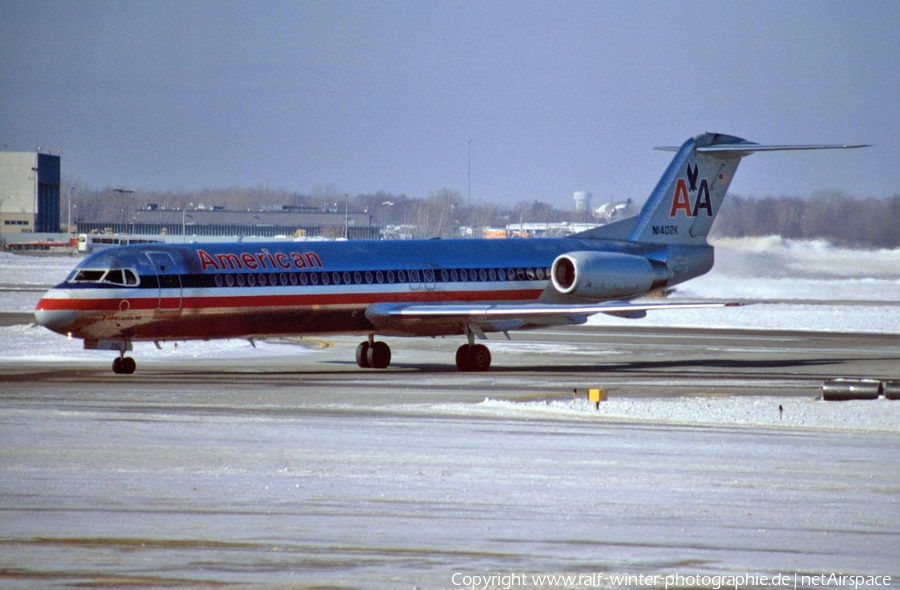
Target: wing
<point x="455" y="318"/>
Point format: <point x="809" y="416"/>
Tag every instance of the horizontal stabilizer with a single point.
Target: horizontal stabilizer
<point x="744" y="149"/>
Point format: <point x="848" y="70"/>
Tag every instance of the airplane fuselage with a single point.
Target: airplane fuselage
<point x="258" y="289"/>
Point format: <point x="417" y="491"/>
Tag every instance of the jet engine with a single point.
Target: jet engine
<point x="606" y="275"/>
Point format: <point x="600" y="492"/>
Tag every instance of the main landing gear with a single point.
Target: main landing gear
<point x="123" y="365"/>
<point x="373" y="355"/>
<point x="377" y="355"/>
<point x="473" y="357"/>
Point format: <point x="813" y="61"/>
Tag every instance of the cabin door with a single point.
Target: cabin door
<point x="168" y="278"/>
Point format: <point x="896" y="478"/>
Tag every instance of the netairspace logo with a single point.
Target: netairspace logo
<point x="508" y="581"/>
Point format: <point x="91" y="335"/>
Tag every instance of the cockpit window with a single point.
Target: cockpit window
<point x="89" y="276"/>
<point x="115" y="276"/>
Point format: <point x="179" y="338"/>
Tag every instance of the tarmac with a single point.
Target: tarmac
<point x="632" y="361"/>
<point x="302" y="470"/>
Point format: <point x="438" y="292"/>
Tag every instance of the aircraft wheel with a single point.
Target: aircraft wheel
<point x="463" y="358"/>
<point x="379" y="355"/>
<point x="362" y="355"/>
<point x="479" y="358"/>
<point x="475" y="357"/>
<point x="123" y="365"/>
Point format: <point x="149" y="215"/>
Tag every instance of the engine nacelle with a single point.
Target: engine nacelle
<point x="605" y="275"/>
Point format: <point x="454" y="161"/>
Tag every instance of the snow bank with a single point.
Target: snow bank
<point x="880" y="415"/>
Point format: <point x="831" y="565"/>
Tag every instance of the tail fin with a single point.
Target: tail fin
<point x="682" y="207"/>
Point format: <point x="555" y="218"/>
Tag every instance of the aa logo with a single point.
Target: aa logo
<point x="682" y="200"/>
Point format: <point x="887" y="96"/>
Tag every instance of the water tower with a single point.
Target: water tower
<point x="583" y="201"/>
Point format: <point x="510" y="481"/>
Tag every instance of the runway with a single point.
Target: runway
<point x="288" y="466"/>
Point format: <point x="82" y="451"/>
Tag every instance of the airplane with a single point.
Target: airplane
<point x="436" y="287"/>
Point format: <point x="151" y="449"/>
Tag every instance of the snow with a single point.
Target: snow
<point x="792" y="285"/>
<point x="34" y="271"/>
<point x="36" y="344"/>
<point x="880" y="415"/>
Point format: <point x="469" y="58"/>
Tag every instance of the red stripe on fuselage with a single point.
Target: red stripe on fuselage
<point x="283" y="300"/>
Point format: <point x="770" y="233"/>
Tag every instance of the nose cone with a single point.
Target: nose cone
<point x="54" y="311"/>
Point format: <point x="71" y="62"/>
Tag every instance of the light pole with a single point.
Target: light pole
<point x="69" y="222"/>
<point x="34" y="204"/>
<point x="3" y="200"/>
<point x="183" y="228"/>
<point x="124" y="191"/>
<point x="469" y="202"/>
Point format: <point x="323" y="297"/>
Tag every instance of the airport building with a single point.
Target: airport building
<point x="29" y="192"/>
<point x="268" y="222"/>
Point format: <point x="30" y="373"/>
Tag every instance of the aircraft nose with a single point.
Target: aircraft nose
<point x="53" y="316"/>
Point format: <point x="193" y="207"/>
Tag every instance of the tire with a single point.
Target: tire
<point x="379" y="355"/>
<point x="117" y="365"/>
<point x="128" y="365"/>
<point x="463" y="358"/>
<point x="362" y="355"/>
<point x="479" y="358"/>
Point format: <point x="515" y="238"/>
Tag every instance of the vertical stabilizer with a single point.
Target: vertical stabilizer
<point x="683" y="206"/>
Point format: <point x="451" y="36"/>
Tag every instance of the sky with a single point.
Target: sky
<point x="529" y="100"/>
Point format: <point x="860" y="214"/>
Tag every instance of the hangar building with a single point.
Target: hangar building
<point x="29" y="192"/>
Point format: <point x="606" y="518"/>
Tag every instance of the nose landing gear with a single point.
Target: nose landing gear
<point x="123" y="365"/>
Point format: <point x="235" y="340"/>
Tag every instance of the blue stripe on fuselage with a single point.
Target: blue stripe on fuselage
<point x="350" y="256"/>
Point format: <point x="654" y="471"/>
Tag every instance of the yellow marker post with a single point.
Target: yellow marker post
<point x="597" y="396"/>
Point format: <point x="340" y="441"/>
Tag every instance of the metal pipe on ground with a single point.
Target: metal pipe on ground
<point x="892" y="389"/>
<point x="849" y="389"/>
